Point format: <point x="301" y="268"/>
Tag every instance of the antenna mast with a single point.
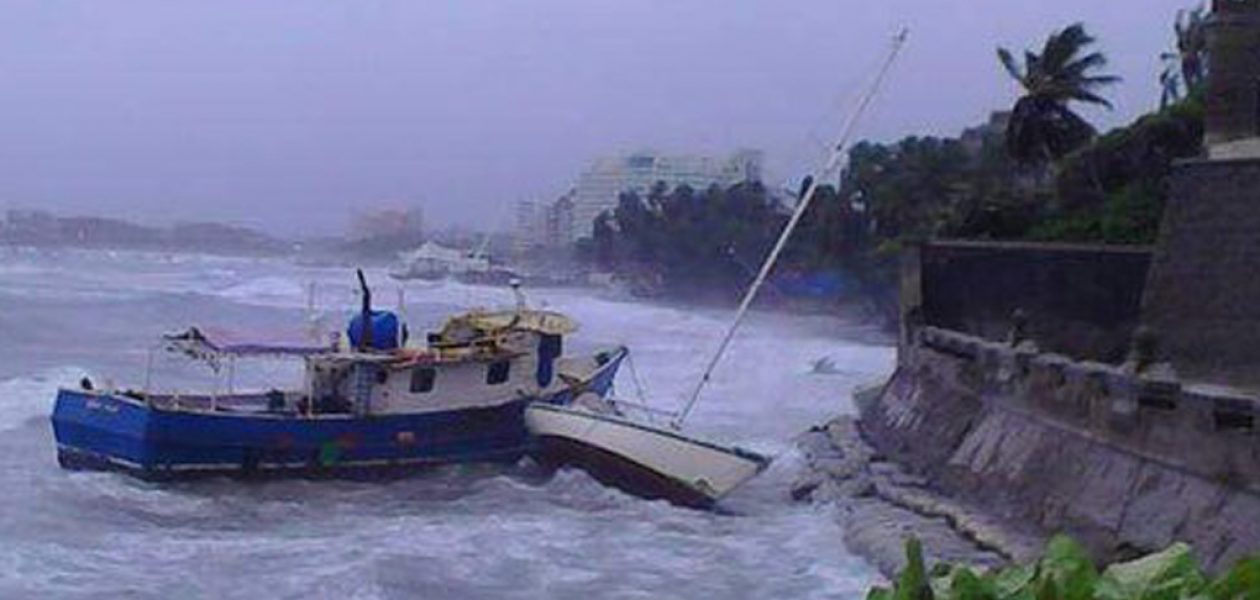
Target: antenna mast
<point x="832" y="167"/>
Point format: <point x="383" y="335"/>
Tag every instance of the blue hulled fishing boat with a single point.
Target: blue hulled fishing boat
<point x="369" y="404"/>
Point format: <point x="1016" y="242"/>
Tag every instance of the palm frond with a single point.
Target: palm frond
<point x="1096" y="60"/>
<point x="1012" y="67"/>
<point x="1181" y="26"/>
<point x="1170" y="85"/>
<point x="1033" y="71"/>
<point x="1089" y="97"/>
<point x="1098" y="81"/>
<point x="1062" y="46"/>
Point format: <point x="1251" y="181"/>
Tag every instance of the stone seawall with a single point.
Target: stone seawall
<point x="1126" y="463"/>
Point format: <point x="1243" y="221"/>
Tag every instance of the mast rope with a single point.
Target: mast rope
<point x="639" y="388"/>
<point x="832" y="167"/>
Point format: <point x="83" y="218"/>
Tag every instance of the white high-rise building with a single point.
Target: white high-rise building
<point x="544" y="225"/>
<point x="600" y="186"/>
<point x="526" y="233"/>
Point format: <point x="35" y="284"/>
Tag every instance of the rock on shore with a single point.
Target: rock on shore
<point x="880" y="505"/>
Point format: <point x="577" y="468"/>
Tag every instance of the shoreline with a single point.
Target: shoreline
<point x="880" y="504"/>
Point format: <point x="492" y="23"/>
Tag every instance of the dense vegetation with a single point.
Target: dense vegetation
<point x="1066" y="573"/>
<point x="688" y="242"/>
<point x="1043" y="125"/>
<point x="1036" y="172"/>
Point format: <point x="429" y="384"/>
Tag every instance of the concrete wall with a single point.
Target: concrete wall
<point x="1128" y="458"/>
<point x="1233" y="110"/>
<point x="1083" y="301"/>
<point x="1203" y="299"/>
<point x="1125" y="463"/>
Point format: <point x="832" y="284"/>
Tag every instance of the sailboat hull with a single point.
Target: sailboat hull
<point x="640" y="459"/>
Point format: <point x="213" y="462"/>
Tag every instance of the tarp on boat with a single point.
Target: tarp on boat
<point x="195" y="344"/>
<point x="387" y="331"/>
<point x="542" y="321"/>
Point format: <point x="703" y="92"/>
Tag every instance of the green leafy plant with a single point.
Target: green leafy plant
<point x="1065" y="572"/>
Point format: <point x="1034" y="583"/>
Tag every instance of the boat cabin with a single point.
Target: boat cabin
<point x="476" y="359"/>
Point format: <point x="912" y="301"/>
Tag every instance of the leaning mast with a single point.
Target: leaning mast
<point x="832" y="167"/>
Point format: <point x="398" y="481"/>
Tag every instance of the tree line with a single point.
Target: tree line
<point x="1040" y="172"/>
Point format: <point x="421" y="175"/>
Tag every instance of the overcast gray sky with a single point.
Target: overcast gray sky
<point x="289" y="114"/>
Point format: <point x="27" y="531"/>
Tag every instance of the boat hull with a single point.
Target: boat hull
<point x="104" y="431"/>
<point x="101" y="431"/>
<point x="642" y="460"/>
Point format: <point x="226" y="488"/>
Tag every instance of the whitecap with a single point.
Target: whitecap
<point x="31" y="397"/>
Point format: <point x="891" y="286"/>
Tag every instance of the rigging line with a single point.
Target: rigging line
<point x="641" y="389"/>
<point x="833" y="164"/>
<point x="844" y="102"/>
<point x="641" y="402"/>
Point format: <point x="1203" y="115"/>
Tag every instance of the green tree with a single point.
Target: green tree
<point x="1043" y="126"/>
<point x="907" y="187"/>
<point x="1185" y="69"/>
<point x="1114" y="189"/>
<point x="687" y="243"/>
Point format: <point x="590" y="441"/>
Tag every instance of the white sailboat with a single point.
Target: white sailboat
<point x="639" y="457"/>
<point x="656" y="461"/>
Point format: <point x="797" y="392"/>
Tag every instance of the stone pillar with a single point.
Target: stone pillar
<point x="1233" y="112"/>
<point x="911" y="301"/>
<point x="1202" y="297"/>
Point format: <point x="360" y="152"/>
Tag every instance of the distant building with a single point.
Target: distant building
<point x="558" y="217"/>
<point x="28" y="225"/>
<point x="544" y="225"/>
<point x="973" y="139"/>
<point x="526" y="233"/>
<point x="600" y="186"/>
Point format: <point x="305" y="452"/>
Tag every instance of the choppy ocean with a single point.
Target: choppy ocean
<point x="467" y="532"/>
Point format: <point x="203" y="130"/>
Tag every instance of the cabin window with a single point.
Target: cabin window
<point x="422" y="379"/>
<point x="498" y="372"/>
<point x="550" y="346"/>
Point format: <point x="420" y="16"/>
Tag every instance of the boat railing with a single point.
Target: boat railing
<point x="652" y="413"/>
<point x="222" y="364"/>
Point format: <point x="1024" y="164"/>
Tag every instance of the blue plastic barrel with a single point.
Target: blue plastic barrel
<point x="388" y="332"/>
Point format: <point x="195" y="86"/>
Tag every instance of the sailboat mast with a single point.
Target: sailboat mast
<point x="830" y="169"/>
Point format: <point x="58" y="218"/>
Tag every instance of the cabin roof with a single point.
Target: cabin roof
<point x="541" y="321"/>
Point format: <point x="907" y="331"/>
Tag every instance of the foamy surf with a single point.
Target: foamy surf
<point x="26" y="399"/>
<point x="459" y="532"/>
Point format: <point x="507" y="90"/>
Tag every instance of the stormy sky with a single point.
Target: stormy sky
<point x="291" y="115"/>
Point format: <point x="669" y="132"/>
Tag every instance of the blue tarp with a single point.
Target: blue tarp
<point x="388" y="333"/>
<point x="822" y="284"/>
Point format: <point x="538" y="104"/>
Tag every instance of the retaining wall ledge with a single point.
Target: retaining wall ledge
<point x="1126" y="460"/>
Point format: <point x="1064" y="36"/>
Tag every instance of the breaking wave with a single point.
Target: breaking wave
<point x="458" y="532"/>
<point x="27" y="399"/>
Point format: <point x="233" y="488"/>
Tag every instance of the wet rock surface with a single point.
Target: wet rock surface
<point x="880" y="504"/>
<point x="1126" y="463"/>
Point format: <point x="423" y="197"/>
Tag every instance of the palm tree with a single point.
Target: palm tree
<point x="1043" y="127"/>
<point x="1185" y="70"/>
